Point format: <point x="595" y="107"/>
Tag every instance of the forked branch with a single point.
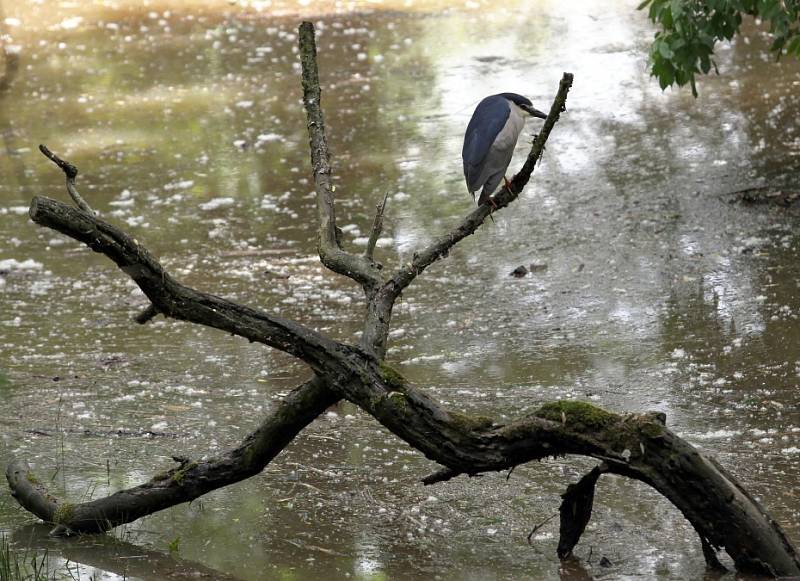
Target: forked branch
<point x="71" y="172"/>
<point x="635" y="446"/>
<point x="360" y="268"/>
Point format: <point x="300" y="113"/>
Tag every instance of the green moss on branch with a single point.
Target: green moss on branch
<point x="578" y="414"/>
<point x="180" y="473"/>
<point x="469" y="423"/>
<point x="392" y="377"/>
<point x="64" y="513"/>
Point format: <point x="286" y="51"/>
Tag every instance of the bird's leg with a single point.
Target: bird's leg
<point x="490" y="200"/>
<point x="507" y="185"/>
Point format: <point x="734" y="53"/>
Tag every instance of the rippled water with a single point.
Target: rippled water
<point x="653" y="292"/>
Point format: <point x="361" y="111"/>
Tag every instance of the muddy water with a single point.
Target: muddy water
<point x="658" y="293"/>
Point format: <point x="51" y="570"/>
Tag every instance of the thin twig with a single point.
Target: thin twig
<point x="71" y="172"/>
<point x="377" y="227"/>
<point x="540" y="525"/>
<point x="510" y="472"/>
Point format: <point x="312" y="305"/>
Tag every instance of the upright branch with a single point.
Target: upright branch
<point x="518" y="182"/>
<point x="71" y="172"/>
<point x="360" y="268"/>
<point x="377" y="227"/>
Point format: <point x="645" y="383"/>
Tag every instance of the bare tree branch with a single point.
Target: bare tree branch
<point x="181" y="484"/>
<point x="360" y="268"/>
<point x="71" y="172"/>
<point x="181" y="302"/>
<point x="377" y="228"/>
<point x="635" y="446"/>
<point x="381" y="303"/>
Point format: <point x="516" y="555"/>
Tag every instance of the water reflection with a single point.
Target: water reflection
<point x="187" y="126"/>
<point x="105" y="557"/>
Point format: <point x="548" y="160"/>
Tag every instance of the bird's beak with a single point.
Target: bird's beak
<point x="536" y="113"/>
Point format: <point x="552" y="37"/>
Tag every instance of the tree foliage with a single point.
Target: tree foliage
<point x="689" y="30"/>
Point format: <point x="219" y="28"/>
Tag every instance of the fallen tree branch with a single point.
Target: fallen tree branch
<point x="644" y="449"/>
<point x="179" y="484"/>
<point x="635" y="446"/>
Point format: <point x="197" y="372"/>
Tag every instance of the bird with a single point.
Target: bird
<point x="490" y="139"/>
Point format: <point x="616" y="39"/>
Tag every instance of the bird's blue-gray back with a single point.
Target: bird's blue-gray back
<point x="488" y="120"/>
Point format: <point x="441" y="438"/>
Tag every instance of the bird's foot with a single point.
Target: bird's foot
<point x="507" y="186"/>
<point x="493" y="207"/>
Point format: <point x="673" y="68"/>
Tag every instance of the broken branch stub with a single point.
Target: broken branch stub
<point x="576" y="510"/>
<point x="71" y="172"/>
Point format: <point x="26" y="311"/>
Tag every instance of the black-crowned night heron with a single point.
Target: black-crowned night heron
<point x="491" y="136"/>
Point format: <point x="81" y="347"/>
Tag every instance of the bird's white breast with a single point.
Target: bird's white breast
<point x="507" y="138"/>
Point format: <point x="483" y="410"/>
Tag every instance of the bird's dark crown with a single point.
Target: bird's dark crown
<point x="517" y="99"/>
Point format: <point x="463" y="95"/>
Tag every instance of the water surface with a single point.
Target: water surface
<point x="187" y="127"/>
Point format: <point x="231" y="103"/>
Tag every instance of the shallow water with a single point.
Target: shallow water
<point x="187" y="127"/>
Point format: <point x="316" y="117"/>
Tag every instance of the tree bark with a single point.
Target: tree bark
<point x="635" y="446"/>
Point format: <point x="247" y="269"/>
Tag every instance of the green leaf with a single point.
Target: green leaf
<point x="794" y="46"/>
<point x="687" y="32"/>
<point x="666" y="76"/>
